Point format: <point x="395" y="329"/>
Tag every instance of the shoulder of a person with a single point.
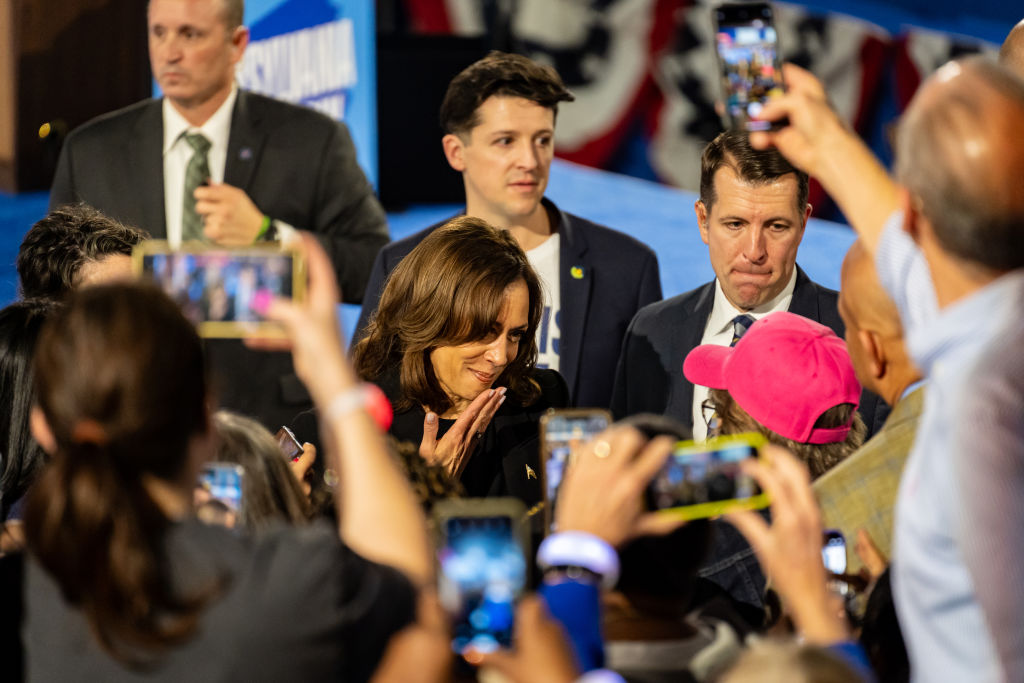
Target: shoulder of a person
<point x="113" y="121"/>
<point x="554" y="391"/>
<point x="609" y="241"/>
<point x="674" y="310"/>
<point x="279" y="116"/>
<point x="823" y="293"/>
<point x="393" y="252"/>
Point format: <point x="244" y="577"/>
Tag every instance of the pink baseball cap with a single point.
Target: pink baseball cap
<point x="785" y="372"/>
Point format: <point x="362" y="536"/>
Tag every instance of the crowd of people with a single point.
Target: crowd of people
<point x="890" y="411"/>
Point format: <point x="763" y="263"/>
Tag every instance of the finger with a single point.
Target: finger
<point x="501" y="660"/>
<point x="651" y="460"/>
<point x="428" y="444"/>
<point x="654" y="524"/>
<point x="488" y="411"/>
<point x="305" y="459"/>
<point x="268" y="343"/>
<point x="462" y="425"/>
<point x="793" y="475"/>
<point x="869" y="554"/>
<point x="799" y="79"/>
<point x="323" y="284"/>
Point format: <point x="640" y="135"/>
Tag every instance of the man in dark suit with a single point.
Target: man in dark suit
<point x="214" y="163"/>
<point x="751" y="213"/>
<point x="499" y="116"/>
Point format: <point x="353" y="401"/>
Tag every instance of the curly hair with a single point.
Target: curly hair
<point x="449" y="291"/>
<point x="820" y="458"/>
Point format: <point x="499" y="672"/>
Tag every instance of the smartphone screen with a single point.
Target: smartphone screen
<point x="219" y="495"/>
<point x="705" y="479"/>
<point x="222" y="291"/>
<point x="482" y="573"/>
<point x="563" y="433"/>
<point x="833" y="552"/>
<point x="748" y="58"/>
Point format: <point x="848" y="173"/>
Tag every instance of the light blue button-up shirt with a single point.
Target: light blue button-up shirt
<point x="958" y="565"/>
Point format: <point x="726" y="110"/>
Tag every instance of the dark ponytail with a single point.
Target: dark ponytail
<point x="119" y="377"/>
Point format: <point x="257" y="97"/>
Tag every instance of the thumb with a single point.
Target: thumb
<point x="429" y="442"/>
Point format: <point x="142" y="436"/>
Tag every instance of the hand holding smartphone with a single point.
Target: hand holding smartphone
<point x="224" y="292"/>
<point x="704" y="479"/>
<point x="747" y="48"/>
<point x="483" y="569"/>
<point x="562" y="433"/>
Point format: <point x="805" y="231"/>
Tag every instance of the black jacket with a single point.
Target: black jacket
<point x="507" y="460"/>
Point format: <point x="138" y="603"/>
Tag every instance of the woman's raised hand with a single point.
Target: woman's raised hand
<point x="455" y="448"/>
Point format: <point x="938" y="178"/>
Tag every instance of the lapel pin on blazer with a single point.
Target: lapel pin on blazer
<point x="530" y="474"/>
<point x="245" y="154"/>
<point x="576" y="272"/>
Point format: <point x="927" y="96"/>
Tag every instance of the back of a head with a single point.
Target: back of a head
<point x="1011" y="53"/>
<point x="958" y="153"/>
<point x="57" y="246"/>
<point x="789" y="662"/>
<point x="20" y="455"/>
<point x="449" y="290"/>
<point x="120" y="379"/>
<point x="270" y="491"/>
<point x="752" y="166"/>
<point x="792" y="380"/>
<point x="499" y="74"/>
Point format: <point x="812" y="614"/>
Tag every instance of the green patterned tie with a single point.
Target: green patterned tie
<point x="196" y="173"/>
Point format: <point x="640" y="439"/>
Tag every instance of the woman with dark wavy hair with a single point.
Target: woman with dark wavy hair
<point x="453" y="345"/>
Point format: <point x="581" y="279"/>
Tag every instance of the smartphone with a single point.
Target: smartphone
<point x="289" y="445"/>
<point x="704" y="479"/>
<point x="219" y="497"/>
<point x="749" y="66"/>
<point x="562" y="433"/>
<point x="833" y="554"/>
<point x="482" y="569"/>
<point x="833" y="551"/>
<point x="224" y="291"/>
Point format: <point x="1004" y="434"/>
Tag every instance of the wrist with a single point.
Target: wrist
<point x="358" y="398"/>
<point x="267" y="231"/>
<point x="576" y="549"/>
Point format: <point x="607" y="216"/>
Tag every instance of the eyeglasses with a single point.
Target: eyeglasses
<point x="711" y="419"/>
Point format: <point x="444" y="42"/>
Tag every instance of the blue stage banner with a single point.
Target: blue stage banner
<point x="321" y="54"/>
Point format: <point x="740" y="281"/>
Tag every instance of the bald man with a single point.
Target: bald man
<point x="859" y="492"/>
<point x="1011" y="54"/>
<point x="948" y="245"/>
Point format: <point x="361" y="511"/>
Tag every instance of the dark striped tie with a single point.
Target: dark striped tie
<point x="196" y="173"/>
<point x="740" y="325"/>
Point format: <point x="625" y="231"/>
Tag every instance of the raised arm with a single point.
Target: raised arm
<point x="818" y="142"/>
<point x="379" y="515"/>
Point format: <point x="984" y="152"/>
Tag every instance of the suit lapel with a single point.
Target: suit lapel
<point x="805" y="299"/>
<point x="145" y="184"/>
<point x="575" y="281"/>
<point x="701" y="311"/>
<point x="245" y="143"/>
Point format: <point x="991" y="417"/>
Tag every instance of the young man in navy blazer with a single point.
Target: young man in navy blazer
<point x="499" y="121"/>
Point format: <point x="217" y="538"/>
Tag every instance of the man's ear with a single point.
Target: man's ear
<point x="453" y="148"/>
<point x="872" y="345"/>
<point x="911" y="214"/>
<point x="239" y="41"/>
<point x="41" y="431"/>
<point x="702" y="219"/>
